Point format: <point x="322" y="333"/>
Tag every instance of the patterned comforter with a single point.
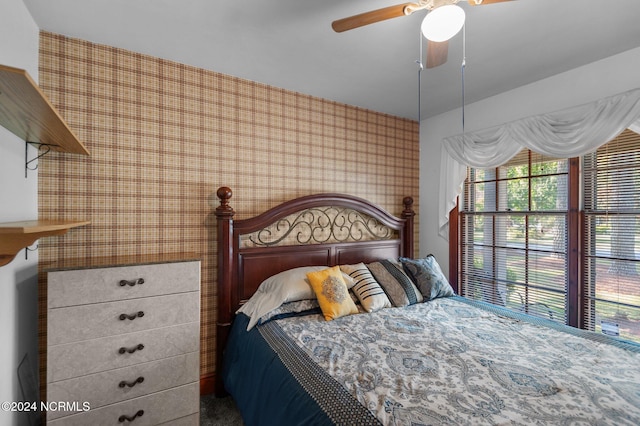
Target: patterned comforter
<point x="450" y="362"/>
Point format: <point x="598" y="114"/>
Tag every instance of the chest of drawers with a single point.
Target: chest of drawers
<point x="123" y="345"/>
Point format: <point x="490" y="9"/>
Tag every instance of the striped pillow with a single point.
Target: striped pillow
<point x="366" y="288"/>
<point x="395" y="283"/>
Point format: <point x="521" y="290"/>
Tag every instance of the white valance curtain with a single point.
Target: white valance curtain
<point x="567" y="133"/>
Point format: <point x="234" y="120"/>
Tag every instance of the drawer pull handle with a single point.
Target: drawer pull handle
<point x="131" y="317"/>
<point x="132" y="350"/>
<point x="124" y="418"/>
<point x="131" y="283"/>
<point x="131" y="384"/>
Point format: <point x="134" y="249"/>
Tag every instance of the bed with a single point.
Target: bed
<point x="425" y="356"/>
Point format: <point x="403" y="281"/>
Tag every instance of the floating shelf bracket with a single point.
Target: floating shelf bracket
<point x="38" y="146"/>
<point x="28" y="249"/>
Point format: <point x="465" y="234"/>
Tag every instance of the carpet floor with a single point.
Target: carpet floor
<point x="219" y="412"/>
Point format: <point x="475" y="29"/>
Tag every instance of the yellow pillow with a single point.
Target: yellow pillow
<point x="332" y="293"/>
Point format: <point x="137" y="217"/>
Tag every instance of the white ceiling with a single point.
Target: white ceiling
<point x="290" y="44"/>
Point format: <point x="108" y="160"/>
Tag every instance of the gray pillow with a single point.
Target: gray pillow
<point x="397" y="285"/>
<point x="428" y="277"/>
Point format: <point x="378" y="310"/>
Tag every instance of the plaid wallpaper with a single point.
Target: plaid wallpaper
<point x="164" y="136"/>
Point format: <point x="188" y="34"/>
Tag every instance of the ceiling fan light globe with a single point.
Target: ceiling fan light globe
<point x="443" y="22"/>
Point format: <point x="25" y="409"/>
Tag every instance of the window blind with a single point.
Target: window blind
<point x="611" y="247"/>
<point x="513" y="235"/>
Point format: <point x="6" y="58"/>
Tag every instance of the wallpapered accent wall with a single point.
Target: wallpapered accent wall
<point x="164" y="136"/>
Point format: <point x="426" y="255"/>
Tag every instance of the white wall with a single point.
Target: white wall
<point x="599" y="79"/>
<point x="18" y="201"/>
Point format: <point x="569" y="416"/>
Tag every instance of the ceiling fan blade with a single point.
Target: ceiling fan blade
<point x="371" y="17"/>
<point x="437" y="53"/>
<point x="483" y="2"/>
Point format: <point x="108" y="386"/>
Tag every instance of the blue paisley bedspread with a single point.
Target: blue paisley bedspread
<point x="448" y="362"/>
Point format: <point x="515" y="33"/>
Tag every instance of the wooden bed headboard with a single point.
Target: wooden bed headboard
<point x="322" y="229"/>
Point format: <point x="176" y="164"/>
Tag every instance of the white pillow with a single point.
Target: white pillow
<point x="287" y="286"/>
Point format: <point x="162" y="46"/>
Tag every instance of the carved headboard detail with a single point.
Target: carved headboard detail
<point x="320" y="225"/>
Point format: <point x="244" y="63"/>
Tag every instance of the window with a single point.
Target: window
<point x="611" y="284"/>
<point x="513" y="235"/>
<point x="524" y="244"/>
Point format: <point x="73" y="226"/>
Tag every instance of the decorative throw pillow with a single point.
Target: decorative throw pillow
<point x="366" y="288"/>
<point x="332" y="293"/>
<point x="395" y="283"/>
<point x="287" y="286"/>
<point x="428" y="277"/>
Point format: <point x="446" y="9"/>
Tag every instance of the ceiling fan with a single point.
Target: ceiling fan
<point x="438" y="43"/>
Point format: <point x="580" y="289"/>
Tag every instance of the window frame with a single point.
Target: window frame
<point x="574" y="225"/>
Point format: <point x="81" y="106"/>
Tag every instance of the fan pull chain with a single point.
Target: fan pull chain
<point x="420" y="69"/>
<point x="464" y="63"/>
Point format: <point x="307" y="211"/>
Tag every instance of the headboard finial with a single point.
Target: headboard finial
<point x="408" y="207"/>
<point x="224" y="193"/>
<point x="408" y="214"/>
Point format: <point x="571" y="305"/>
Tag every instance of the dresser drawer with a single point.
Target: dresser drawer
<point x="76" y="323"/>
<point x="93" y="356"/>
<point x="161" y="407"/>
<point x="102" y="389"/>
<point x="82" y="286"/>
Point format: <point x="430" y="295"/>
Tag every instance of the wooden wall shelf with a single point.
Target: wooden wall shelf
<point x="14" y="236"/>
<point x="26" y="112"/>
